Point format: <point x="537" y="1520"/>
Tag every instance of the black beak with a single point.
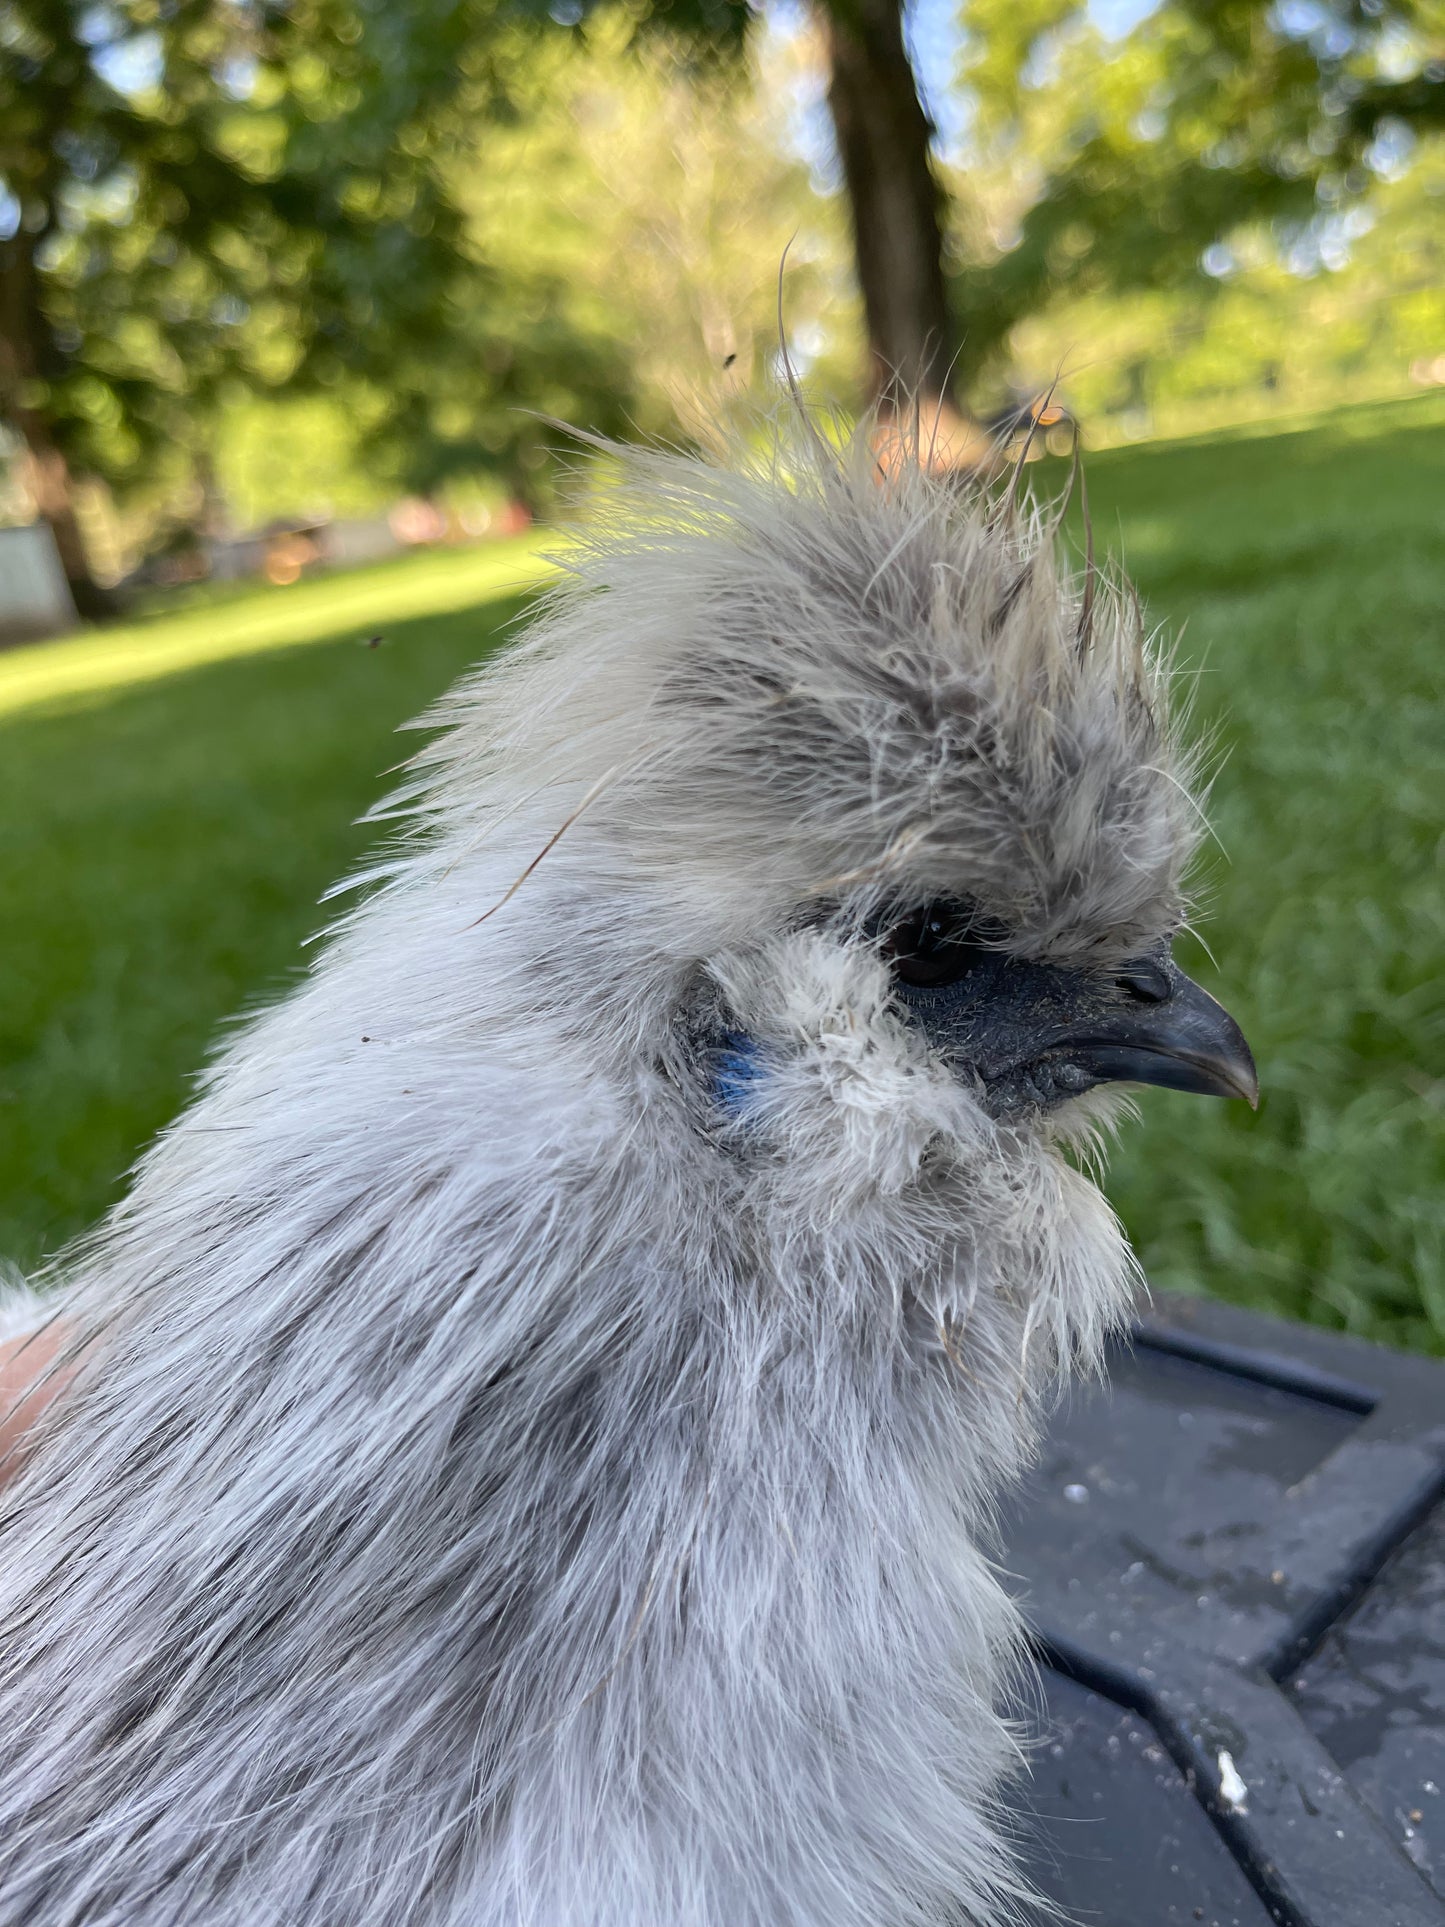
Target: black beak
<point x="1181" y="1039"/>
<point x="1038" y="1033"/>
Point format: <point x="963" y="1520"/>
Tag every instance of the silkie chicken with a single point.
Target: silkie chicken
<point x="531" y="1431"/>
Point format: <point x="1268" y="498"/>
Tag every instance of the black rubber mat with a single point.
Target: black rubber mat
<point x="1234" y="1561"/>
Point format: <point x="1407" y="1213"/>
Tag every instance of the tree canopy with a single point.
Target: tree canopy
<point x="459" y="217"/>
<point x="193" y="191"/>
<point x="1115" y="164"/>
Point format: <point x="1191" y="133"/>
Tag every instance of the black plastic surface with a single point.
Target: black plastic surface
<point x="1374" y="1697"/>
<point x="1115" y="1834"/>
<point x="1234" y="1559"/>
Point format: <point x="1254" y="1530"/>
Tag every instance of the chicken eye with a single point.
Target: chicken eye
<point x="938" y="945"/>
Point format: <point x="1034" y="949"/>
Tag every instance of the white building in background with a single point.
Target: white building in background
<point x="352" y="541"/>
<point x="35" y="598"/>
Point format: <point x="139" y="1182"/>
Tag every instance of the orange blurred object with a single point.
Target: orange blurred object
<point x="23" y="1361"/>
<point x="935" y="436"/>
<point x="287" y="555"/>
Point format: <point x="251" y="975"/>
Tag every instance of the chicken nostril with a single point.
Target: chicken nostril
<point x="1144" y="980"/>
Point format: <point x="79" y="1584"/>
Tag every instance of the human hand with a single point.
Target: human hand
<point x="23" y="1360"/>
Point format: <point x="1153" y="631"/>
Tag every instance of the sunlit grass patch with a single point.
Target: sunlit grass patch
<point x="260" y="620"/>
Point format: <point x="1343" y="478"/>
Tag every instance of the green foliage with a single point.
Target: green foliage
<point x="302" y="456"/>
<point x="262" y="192"/>
<point x="1102" y="166"/>
<point x="1270" y="335"/>
<point x="200" y="190"/>
<point x="167" y="843"/>
<point x="625" y="220"/>
<point x="656" y="200"/>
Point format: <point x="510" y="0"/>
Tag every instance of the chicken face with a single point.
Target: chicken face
<point x="1033" y="1034"/>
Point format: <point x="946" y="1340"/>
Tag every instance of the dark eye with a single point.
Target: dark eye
<point x="939" y="944"/>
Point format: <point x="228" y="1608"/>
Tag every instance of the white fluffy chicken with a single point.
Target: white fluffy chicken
<point x="536" y="1417"/>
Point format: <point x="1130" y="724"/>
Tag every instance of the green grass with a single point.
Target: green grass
<point x="228" y="622"/>
<point x="165" y="840"/>
<point x="174" y="797"/>
<point x="1311" y="569"/>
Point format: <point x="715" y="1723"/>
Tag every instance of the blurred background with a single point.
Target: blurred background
<point x="292" y="300"/>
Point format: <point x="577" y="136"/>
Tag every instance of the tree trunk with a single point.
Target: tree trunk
<point x="54" y="498"/>
<point x="22" y="332"/>
<point x="896" y="202"/>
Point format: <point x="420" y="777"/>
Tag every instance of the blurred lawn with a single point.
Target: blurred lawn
<point x="164" y="843"/>
<point x="1311" y="569"/>
<point x="174" y="797"/>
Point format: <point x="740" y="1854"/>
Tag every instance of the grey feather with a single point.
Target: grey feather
<point x="506" y="1486"/>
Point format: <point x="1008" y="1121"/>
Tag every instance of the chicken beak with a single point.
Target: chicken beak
<point x="1185" y="1041"/>
<point x="1034" y="1032"/>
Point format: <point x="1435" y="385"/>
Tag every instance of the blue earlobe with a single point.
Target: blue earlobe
<point x="738" y="1070"/>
